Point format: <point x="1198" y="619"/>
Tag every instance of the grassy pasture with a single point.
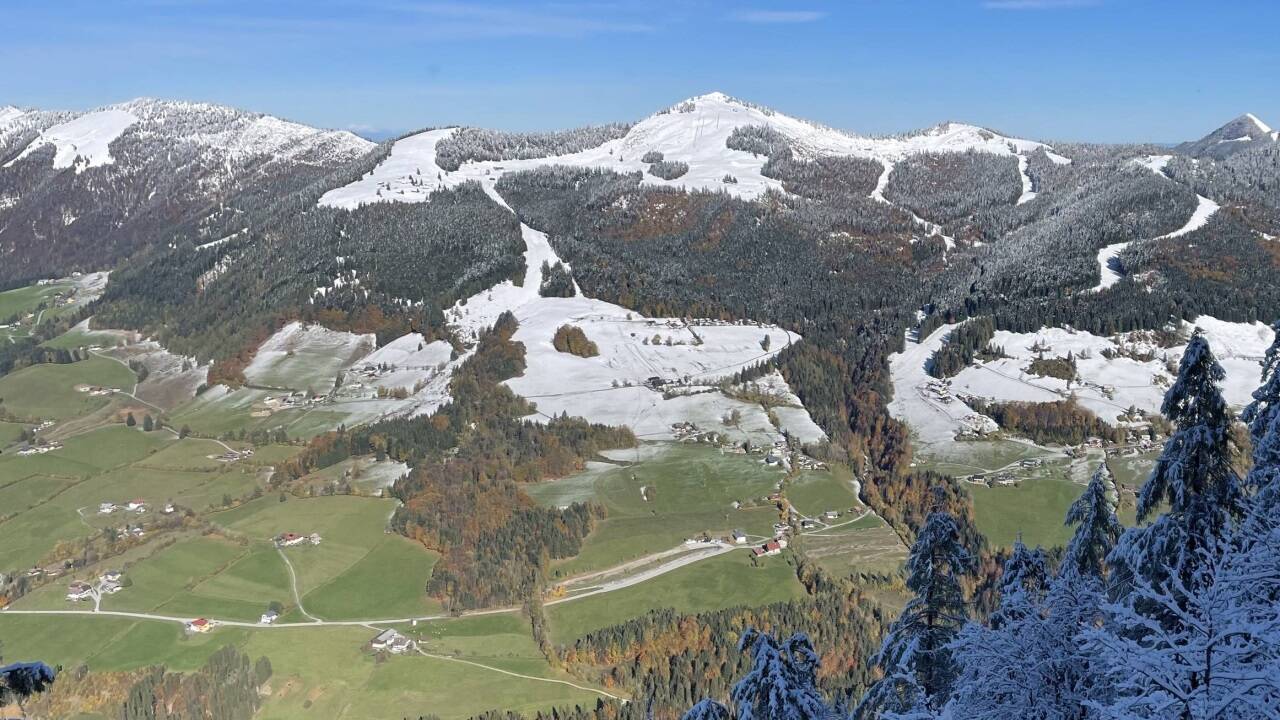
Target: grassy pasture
<point x="389" y="581"/>
<point x="719" y="582"/>
<point x="689" y="490"/>
<point x="49" y="390"/>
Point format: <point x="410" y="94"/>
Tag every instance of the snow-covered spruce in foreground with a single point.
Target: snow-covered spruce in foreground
<point x="694" y="132"/>
<point x="1135" y="376"/>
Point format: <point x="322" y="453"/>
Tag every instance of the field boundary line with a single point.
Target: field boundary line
<point x="520" y="675"/>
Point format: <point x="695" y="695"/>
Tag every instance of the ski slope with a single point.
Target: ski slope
<point x="1109" y="256"/>
<point x="88" y="137"/>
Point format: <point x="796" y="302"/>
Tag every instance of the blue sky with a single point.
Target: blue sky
<point x="1107" y="70"/>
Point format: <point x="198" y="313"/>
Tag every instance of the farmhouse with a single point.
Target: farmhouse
<point x="831" y="514"/>
<point x="391" y="641"/>
<point x="739" y="537"/>
<point x="199" y="625"/>
<point x="78" y="591"/>
<point x="269" y="617"/>
<point x="136" y="506"/>
<point x="112" y="576"/>
<point x="106" y="508"/>
<point x="290" y="539"/>
<point x="773" y="547"/>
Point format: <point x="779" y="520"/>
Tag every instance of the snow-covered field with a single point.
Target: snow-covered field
<point x="301" y="356"/>
<point x="693" y="132"/>
<point x="87" y="137"/>
<point x="613" y="387"/>
<point x="1107" y="387"/>
<point x="934" y="423"/>
<point x="171" y="379"/>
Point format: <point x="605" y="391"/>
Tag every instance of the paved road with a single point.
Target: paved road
<point x="703" y="552"/>
<point x="628" y="581"/>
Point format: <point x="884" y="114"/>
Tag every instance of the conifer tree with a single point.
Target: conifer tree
<point x="1264" y="479"/>
<point x="1025" y="574"/>
<point x="1097" y="528"/>
<point x="781" y="684"/>
<point x="1194" y="476"/>
<point x="1266" y="399"/>
<point x="916" y="652"/>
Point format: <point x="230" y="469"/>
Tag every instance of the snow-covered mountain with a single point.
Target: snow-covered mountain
<point x="1242" y="133"/>
<point x="698" y="133"/>
<point x="80" y="190"/>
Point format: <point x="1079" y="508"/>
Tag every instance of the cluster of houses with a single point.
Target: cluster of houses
<point x="40" y="449"/>
<point x="109" y="583"/>
<point x="393" y="642"/>
<point x="1004" y="477"/>
<point x="49" y="571"/>
<point x="96" y="390"/>
<point x="290" y="539"/>
<point x="134" y="506"/>
<point x="294" y="399"/>
<point x="233" y="455"/>
<point x="691" y="433"/>
<point x="939" y="391"/>
<point x="779" y="454"/>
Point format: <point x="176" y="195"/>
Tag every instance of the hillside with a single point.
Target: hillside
<point x="82" y="191"/>
<point x="560" y="410"/>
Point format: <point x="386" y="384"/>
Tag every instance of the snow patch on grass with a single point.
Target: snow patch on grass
<point x="302" y="356"/>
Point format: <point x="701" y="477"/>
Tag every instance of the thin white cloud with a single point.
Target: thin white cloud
<point x="1038" y="4"/>
<point x="778" y="17"/>
<point x="558" y="20"/>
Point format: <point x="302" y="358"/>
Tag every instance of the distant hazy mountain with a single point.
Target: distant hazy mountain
<point x="707" y="204"/>
<point x="80" y="191"/>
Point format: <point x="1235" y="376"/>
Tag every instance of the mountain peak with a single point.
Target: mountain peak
<point x="1239" y="134"/>
<point x="9" y="112"/>
<point x="1258" y="123"/>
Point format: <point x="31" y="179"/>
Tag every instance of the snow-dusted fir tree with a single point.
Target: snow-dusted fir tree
<point x="781" y="685"/>
<point x="1264" y="480"/>
<point x="1199" y="646"/>
<point x="1097" y="529"/>
<point x="1194" y="476"/>
<point x="1022" y="584"/>
<point x="1199" y="637"/>
<point x="1266" y="399"/>
<point x="916" y="654"/>
<point x="1029" y="664"/>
